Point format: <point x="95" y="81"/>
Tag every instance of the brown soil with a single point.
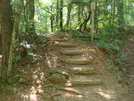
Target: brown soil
<point x="114" y="87"/>
<point x="128" y="49"/>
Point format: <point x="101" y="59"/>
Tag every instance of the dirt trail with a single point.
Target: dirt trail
<point x="37" y="88"/>
<point x="110" y="89"/>
<point x="128" y="49"/>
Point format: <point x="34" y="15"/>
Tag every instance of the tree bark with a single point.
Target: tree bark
<point x="120" y="11"/>
<point x="61" y="15"/>
<point x="51" y="19"/>
<point x="6" y="32"/>
<point x="85" y="21"/>
<point x="13" y="41"/>
<point x="79" y="14"/>
<point x="30" y="9"/>
<point x="57" y="14"/>
<point x="69" y="8"/>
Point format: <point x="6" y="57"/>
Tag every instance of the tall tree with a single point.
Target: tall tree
<point x="61" y="15"/>
<point x="29" y="16"/>
<point x="6" y="32"/>
<point x="69" y="8"/>
<point x="13" y="39"/>
<point x="120" y="11"/>
<point x="51" y="18"/>
<point x="57" y="14"/>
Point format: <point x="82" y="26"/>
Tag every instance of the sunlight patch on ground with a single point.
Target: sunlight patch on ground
<point x="68" y="83"/>
<point x="52" y="62"/>
<point x="77" y="68"/>
<point x="132" y="39"/>
<point x="108" y="94"/>
<point x="33" y="90"/>
<point x="92" y="50"/>
<point x="25" y="97"/>
<point x="33" y="97"/>
<point x="48" y="61"/>
<point x="38" y="77"/>
<point x="71" y="95"/>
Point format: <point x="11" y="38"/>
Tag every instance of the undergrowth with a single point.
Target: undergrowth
<point x="110" y="40"/>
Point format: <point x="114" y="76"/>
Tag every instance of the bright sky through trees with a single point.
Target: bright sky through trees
<point x="47" y="1"/>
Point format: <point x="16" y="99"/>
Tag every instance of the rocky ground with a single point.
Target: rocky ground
<point x="70" y="70"/>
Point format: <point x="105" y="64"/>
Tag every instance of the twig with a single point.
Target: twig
<point x="53" y="96"/>
<point x="69" y="90"/>
<point x="51" y="85"/>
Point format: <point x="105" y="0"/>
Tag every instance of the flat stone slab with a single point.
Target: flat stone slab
<point x="60" y="40"/>
<point x="77" y="61"/>
<point x="66" y="44"/>
<point x="86" y="82"/>
<point x="80" y="70"/>
<point x="57" y="78"/>
<point x="71" y="52"/>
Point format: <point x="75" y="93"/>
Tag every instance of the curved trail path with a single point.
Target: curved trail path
<point x="91" y="77"/>
<point x="88" y="71"/>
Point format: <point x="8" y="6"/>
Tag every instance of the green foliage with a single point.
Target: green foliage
<point x="109" y="39"/>
<point x="84" y="37"/>
<point x="18" y="79"/>
<point x="0" y="65"/>
<point x="17" y="58"/>
<point x="21" y="80"/>
<point x="3" y="88"/>
<point x="3" y="85"/>
<point x="119" y="60"/>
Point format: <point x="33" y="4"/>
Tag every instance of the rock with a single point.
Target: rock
<point x="54" y="71"/>
<point x="57" y="78"/>
<point x="60" y="40"/>
<point x="71" y="52"/>
<point x="66" y="44"/>
<point x="86" y="82"/>
<point x="77" y="61"/>
<point x="80" y="70"/>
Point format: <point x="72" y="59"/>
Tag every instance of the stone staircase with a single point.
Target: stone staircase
<point x="79" y="68"/>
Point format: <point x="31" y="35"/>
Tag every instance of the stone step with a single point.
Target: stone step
<point x="71" y="52"/>
<point x="73" y="99"/>
<point x="81" y="70"/>
<point x="77" y="61"/>
<point x="60" y="40"/>
<point x="66" y="44"/>
<point x="86" y="82"/>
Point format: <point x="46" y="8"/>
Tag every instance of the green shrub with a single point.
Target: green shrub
<point x="109" y="39"/>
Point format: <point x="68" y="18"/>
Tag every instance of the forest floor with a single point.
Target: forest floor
<point x="31" y="73"/>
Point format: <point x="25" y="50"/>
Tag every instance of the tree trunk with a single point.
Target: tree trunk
<point x="120" y="11"/>
<point x="30" y="9"/>
<point x="57" y="15"/>
<point x="69" y="8"/>
<point x="51" y="18"/>
<point x="61" y="15"/>
<point x="85" y="21"/>
<point x="6" y="32"/>
<point x="79" y="14"/>
<point x="13" y="41"/>
<point x="113" y="12"/>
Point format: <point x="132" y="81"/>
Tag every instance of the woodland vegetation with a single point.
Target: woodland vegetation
<point x="23" y="20"/>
